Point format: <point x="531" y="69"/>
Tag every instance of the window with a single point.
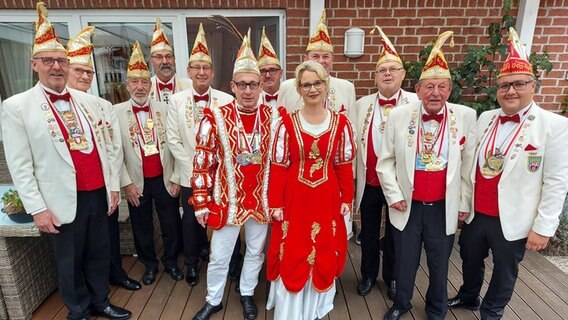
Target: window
<point x="113" y="43"/>
<point x="16" y="40"/>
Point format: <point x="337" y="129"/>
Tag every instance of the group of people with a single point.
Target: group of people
<point x="288" y="161"/>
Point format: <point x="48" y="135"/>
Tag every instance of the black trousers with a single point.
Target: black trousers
<point x="371" y="218"/>
<point x="194" y="235"/>
<point x="117" y="273"/>
<point x="141" y="218"/>
<point x="476" y="238"/>
<point x="82" y="256"/>
<point x="426" y="224"/>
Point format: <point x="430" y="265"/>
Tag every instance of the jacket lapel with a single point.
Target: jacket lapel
<point x="520" y="143"/>
<point x="52" y="126"/>
<point x="133" y="130"/>
<point x="453" y="146"/>
<point x="410" y="150"/>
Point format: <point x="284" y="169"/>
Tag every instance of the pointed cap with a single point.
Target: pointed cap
<point x="389" y="53"/>
<point x="137" y="67"/>
<point x="246" y="62"/>
<point x="320" y="40"/>
<point x="200" y="52"/>
<point x="45" y="37"/>
<point x="266" y="53"/>
<point x="436" y="66"/>
<point x="517" y="61"/>
<point x="79" y="48"/>
<point x="159" y="39"/>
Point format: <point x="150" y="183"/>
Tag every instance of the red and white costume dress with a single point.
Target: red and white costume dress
<point x="311" y="175"/>
<point x="239" y="190"/>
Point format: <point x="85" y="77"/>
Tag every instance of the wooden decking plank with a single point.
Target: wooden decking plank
<point x="552" y="277"/>
<point x="356" y="305"/>
<point x="177" y="300"/>
<point x="49" y="308"/>
<point x="159" y="297"/>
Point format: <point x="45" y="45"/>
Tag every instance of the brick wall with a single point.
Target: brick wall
<point x="410" y="24"/>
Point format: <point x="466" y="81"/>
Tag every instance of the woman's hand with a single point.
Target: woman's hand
<point x="346" y="209"/>
<point x="277" y="214"/>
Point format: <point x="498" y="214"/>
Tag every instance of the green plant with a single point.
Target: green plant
<point x="564" y="105"/>
<point x="12" y="202"/>
<point x="474" y="78"/>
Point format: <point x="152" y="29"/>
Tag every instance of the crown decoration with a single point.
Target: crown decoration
<point x="137" y="67"/>
<point x="320" y="41"/>
<point x="436" y="66"/>
<point x="517" y="61"/>
<point x="45" y="37"/>
<point x="266" y="53"/>
<point x="159" y="39"/>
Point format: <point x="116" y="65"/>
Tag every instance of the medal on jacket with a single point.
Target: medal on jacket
<point x="244" y="157"/>
<point x="77" y="140"/>
<point x="150" y="148"/>
<point x="428" y="159"/>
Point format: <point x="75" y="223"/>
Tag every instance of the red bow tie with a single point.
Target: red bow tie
<point x="204" y="97"/>
<point x="437" y="117"/>
<point x="269" y="97"/>
<point x="383" y="102"/>
<point x="55" y="97"/>
<point x="138" y="109"/>
<point x="163" y="86"/>
<point x="515" y="118"/>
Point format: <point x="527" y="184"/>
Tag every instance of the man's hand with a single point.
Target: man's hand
<point x="278" y="214"/>
<point x="132" y="194"/>
<point x="400" y="206"/>
<point x="174" y="189"/>
<point x="45" y="221"/>
<point x="536" y="242"/>
<point x="462" y="216"/>
<point x="114" y="197"/>
<point x="202" y="219"/>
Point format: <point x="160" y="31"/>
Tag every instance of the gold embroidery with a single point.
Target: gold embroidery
<point x="315" y="151"/>
<point x="315" y="230"/>
<point x="334" y="226"/>
<point x="284" y="229"/>
<point x="281" y="254"/>
<point x="312" y="257"/>
<point x="315" y="154"/>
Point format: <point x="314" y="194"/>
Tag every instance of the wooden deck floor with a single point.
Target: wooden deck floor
<point x="541" y="292"/>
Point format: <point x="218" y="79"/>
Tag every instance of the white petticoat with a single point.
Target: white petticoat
<point x="307" y="304"/>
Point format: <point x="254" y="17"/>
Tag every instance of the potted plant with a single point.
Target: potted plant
<point x="14" y="208"/>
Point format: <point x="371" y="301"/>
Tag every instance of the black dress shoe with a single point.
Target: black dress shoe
<point x="192" y="276"/>
<point x="365" y="286"/>
<point x="394" y="313"/>
<point x="113" y="312"/>
<point x="249" y="307"/>
<point x="204" y="254"/>
<point x="174" y="272"/>
<point x="149" y="276"/>
<point x="391" y="289"/>
<point x="456" y="302"/>
<point x="127" y="283"/>
<point x="207" y="311"/>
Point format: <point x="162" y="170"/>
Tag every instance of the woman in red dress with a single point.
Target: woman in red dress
<point x="310" y="190"/>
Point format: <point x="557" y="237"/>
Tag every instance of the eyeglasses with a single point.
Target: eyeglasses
<point x="81" y="71"/>
<point x="168" y="57"/>
<point x="198" y="68"/>
<point x="253" y="85"/>
<point x="308" y="86"/>
<point x="518" y="85"/>
<point x="49" y="61"/>
<point x="382" y="72"/>
<point x="272" y="71"/>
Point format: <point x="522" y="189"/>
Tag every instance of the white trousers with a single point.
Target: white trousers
<point x="222" y="246"/>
